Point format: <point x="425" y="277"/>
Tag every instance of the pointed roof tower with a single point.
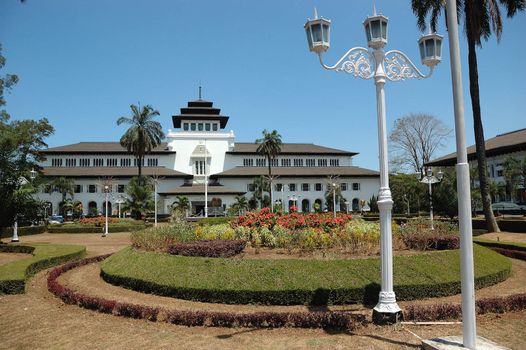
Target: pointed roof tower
<point x="201" y="111"/>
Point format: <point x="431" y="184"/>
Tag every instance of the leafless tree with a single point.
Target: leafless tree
<point x="414" y="140"/>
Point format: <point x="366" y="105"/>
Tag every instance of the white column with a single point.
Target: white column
<point x="155" y="200"/>
<point x="387" y="310"/>
<point x="469" y="326"/>
<point x="431" y="203"/>
<point x="206" y="183"/>
<point x="106" y="223"/>
<point x="15" y="231"/>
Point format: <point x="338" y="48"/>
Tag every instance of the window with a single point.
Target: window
<point x="121" y="188"/>
<point x="305" y="187"/>
<point x="355" y="186"/>
<point x="274" y="162"/>
<point x="92" y="188"/>
<point x="112" y="162"/>
<point x="200" y="126"/>
<point x="199" y="167"/>
<point x="56" y="162"/>
<point x="98" y="162"/>
<point x="153" y="162"/>
<point x="298" y="162"/>
<point x="207" y="126"/>
<point x="214" y="127"/>
<point x="78" y="189"/>
<point x="261" y="162"/>
<point x="311" y="162"/>
<point x="136" y="162"/>
<point x="318" y="187"/>
<point x="185" y="127"/>
<point x="285" y="162"/>
<point x="500" y="173"/>
<point x="322" y="162"/>
<point x="192" y="126"/>
<point x="71" y="162"/>
<point x="85" y="162"/>
<point x="248" y="162"/>
<point x="292" y="187"/>
<point x="343" y="186"/>
<point x="126" y="162"/>
<point x="279" y="187"/>
<point x="251" y="187"/>
<point x="335" y="162"/>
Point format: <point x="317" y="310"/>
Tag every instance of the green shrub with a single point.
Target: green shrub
<point x="161" y="237"/>
<point x="13" y="275"/>
<point x="23" y="231"/>
<point x="94" y="229"/>
<point x="296" y="281"/>
<point x="215" y="220"/>
<point x="417" y="234"/>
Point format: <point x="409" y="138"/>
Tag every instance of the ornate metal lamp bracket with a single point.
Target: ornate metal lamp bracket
<point x="358" y="61"/>
<point x="399" y="67"/>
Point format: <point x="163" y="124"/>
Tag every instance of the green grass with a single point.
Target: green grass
<point x="297" y="281"/>
<point x="499" y="244"/>
<point x="13" y="275"/>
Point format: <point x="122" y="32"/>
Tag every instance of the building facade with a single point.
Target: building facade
<point x="498" y="148"/>
<point x="200" y="149"/>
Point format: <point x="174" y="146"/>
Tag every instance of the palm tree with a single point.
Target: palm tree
<point x="62" y="185"/>
<point x="512" y="174"/>
<point x="269" y="146"/>
<point x="181" y="205"/>
<point x="481" y="17"/>
<point x="240" y="205"/>
<point x="143" y="135"/>
<point x="139" y="196"/>
<point x="261" y="185"/>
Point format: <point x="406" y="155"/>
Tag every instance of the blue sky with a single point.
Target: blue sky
<point x="82" y="63"/>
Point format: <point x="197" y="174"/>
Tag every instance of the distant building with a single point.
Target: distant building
<point x="498" y="149"/>
<point x="201" y="145"/>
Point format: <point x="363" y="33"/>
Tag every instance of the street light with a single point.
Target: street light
<point x="106" y="193"/>
<point x="294" y="200"/>
<point x="392" y="65"/>
<point x="334" y="199"/>
<point x="430" y="180"/>
<point x="120" y="201"/>
<point x="21" y="182"/>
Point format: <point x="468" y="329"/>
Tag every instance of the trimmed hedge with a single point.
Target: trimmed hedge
<point x="209" y="248"/>
<point x="215" y="220"/>
<point x="23" y="231"/>
<point x="509" y="225"/>
<point x="448" y="311"/>
<point x="14" y="275"/>
<point x="95" y="229"/>
<point x="334" y="320"/>
<point x="295" y="281"/>
<point x="433" y="242"/>
<point x="504" y="245"/>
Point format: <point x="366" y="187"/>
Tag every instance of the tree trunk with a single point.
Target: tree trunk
<point x="270" y="184"/>
<point x="491" y="223"/>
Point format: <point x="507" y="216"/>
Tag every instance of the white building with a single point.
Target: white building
<point x="199" y="145"/>
<point x="498" y="148"/>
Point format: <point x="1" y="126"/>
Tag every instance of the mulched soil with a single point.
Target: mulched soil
<point x="38" y="320"/>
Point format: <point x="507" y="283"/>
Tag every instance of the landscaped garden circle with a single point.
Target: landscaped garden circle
<point x="297" y="281"/>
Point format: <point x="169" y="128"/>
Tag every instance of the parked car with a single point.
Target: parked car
<point x="509" y="208"/>
<point x="56" y="219"/>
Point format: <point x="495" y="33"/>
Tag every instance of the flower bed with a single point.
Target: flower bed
<point x="209" y="248"/>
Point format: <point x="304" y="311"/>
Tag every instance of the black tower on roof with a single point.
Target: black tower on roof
<point x="200" y="111"/>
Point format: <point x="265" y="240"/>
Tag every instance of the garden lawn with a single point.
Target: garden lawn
<point x="13" y="275"/>
<point x="288" y="282"/>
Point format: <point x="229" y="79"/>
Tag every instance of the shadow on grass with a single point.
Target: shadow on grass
<point x="230" y="335"/>
<point x="387" y="340"/>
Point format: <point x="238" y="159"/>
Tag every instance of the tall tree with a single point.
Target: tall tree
<point x="269" y="146"/>
<point x="181" y="205"/>
<point x="64" y="186"/>
<point x="139" y="199"/>
<point x="481" y="18"/>
<point x="143" y="135"/>
<point x="512" y="175"/>
<point x="261" y="185"/>
<point x="240" y="206"/>
<point x="414" y="140"/>
<point x="20" y="144"/>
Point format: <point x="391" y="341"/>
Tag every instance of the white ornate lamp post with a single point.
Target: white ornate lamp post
<point x="392" y="65"/>
<point x="334" y="199"/>
<point x="120" y="201"/>
<point x="106" y="193"/>
<point x="21" y="182"/>
<point x="430" y="180"/>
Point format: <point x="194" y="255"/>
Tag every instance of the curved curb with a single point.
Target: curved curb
<point x="333" y="320"/>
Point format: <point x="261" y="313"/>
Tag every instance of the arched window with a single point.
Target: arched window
<point x="305" y="205"/>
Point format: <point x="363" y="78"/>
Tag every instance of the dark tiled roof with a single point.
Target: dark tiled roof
<point x="99" y="147"/>
<point x="291" y="148"/>
<point x="513" y="141"/>
<point x="200" y="189"/>
<point x="200" y="110"/>
<point x="344" y="171"/>
<point x="112" y="172"/>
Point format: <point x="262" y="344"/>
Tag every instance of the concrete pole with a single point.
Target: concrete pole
<point x="206" y="184"/>
<point x="387" y="310"/>
<point x="334" y="200"/>
<point x="106" y="223"/>
<point x="155" y="200"/>
<point x="469" y="326"/>
<point x="431" y="203"/>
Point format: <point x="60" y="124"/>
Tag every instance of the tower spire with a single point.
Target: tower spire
<point x="199" y="91"/>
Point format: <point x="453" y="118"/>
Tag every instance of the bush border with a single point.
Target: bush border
<point x="313" y="319"/>
<point x="23" y="231"/>
<point x="94" y="229"/>
<point x="17" y="285"/>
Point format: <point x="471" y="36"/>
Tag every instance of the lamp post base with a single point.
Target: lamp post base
<point x="15" y="240"/>
<point x="387" y="310"/>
